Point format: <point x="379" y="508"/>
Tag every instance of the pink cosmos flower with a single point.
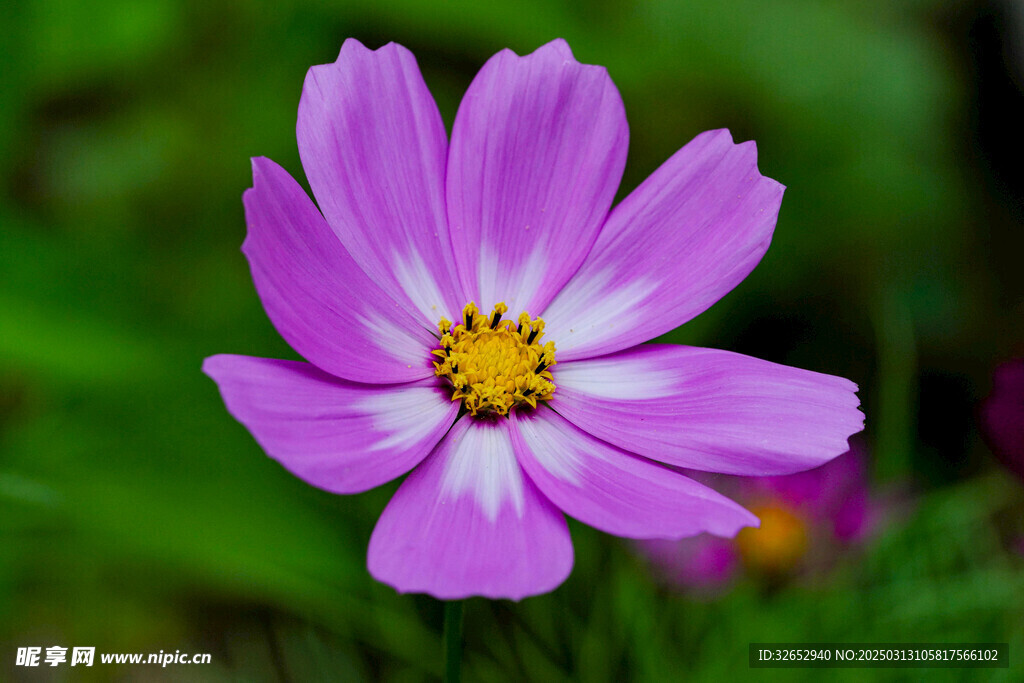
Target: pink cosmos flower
<point x="807" y="520"/>
<point x="702" y="567"/>
<point x="512" y="214"/>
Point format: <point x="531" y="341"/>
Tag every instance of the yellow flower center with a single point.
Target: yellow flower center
<point x="493" y="364"/>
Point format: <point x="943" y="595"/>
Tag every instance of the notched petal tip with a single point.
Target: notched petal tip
<point x="746" y="147"/>
<point x="717" y="133"/>
<point x="860" y="417"/>
<point x="262" y="169"/>
<point x="764" y="181"/>
<point x="352" y="52"/>
<point x="557" y="51"/>
<point x="352" y="44"/>
<point x="256" y="163"/>
<point x="560" y="47"/>
<point x="352" y="48"/>
<point x="847" y="401"/>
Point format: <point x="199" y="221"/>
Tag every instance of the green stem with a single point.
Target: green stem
<point x="452" y="641"/>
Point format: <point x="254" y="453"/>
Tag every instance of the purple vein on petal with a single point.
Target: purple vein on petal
<point x="710" y="410"/>
<point x="468" y="521"/>
<point x="339" y="436"/>
<point x="320" y="301"/>
<point x="374" y="149"/>
<point x="537" y="152"/>
<point x="684" y="238"/>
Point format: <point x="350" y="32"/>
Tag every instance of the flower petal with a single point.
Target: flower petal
<point x="1002" y="416"/>
<point x="320" y="301"/>
<point x="616" y="491"/>
<point x="337" y="435"/>
<point x="710" y="410"/>
<point x="373" y="146"/>
<point x="677" y="244"/>
<point x="705" y="564"/>
<point x="467" y="521"/>
<point x="537" y="152"/>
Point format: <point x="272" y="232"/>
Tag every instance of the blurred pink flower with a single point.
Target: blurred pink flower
<point x="805" y="518"/>
<point x="834" y="495"/>
<point x="704" y="565"/>
<point x="1002" y="416"/>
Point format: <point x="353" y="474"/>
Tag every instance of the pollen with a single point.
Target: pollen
<point x="493" y="365"/>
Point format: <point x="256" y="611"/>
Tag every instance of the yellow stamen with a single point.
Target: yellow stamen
<point x="493" y="364"/>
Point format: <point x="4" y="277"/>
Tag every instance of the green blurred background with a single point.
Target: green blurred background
<point x="136" y="515"/>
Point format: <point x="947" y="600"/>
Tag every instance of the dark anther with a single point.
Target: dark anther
<point x="469" y="320"/>
<point x="540" y="367"/>
<point x="455" y="368"/>
<point x="527" y="392"/>
<point x="494" y="321"/>
<point x="533" y="335"/>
